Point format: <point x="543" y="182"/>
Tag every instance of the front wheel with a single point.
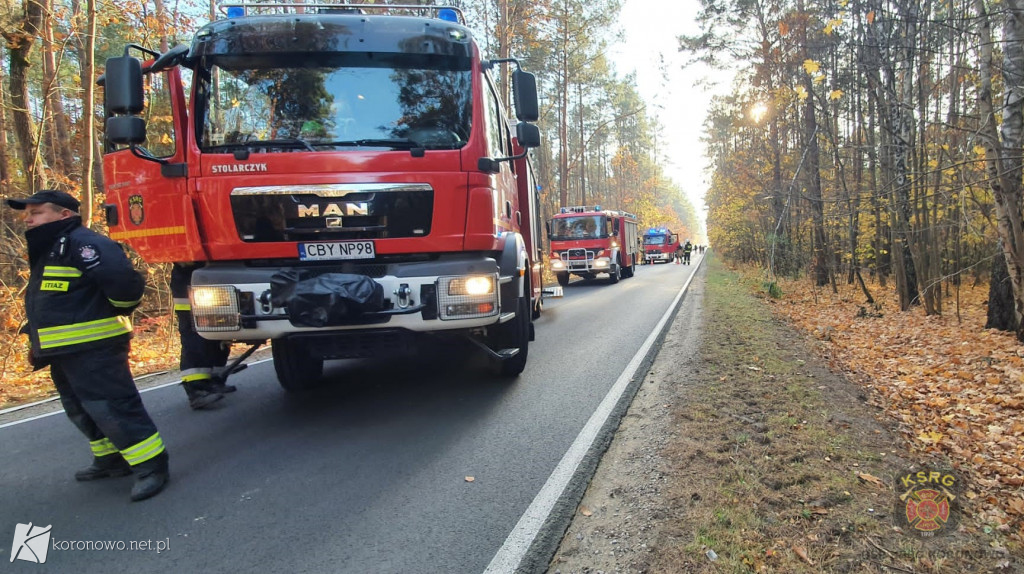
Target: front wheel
<point x="297" y="370"/>
<point x="515" y="334"/>
<point x="563" y="278"/>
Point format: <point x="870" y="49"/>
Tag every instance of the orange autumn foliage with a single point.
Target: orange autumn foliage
<point x="155" y="348"/>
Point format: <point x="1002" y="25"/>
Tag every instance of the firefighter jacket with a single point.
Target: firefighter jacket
<point x="81" y="289"/>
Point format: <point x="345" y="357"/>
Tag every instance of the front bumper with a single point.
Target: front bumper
<point x="233" y="302"/>
<point x="584" y="264"/>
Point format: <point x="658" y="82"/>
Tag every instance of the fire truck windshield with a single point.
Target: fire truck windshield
<point x="655" y="239"/>
<point x="582" y="227"/>
<point x="273" y="104"/>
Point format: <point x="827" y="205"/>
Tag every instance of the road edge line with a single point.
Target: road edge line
<point x="514" y="550"/>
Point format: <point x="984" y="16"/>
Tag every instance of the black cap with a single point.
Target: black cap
<point x="46" y="196"/>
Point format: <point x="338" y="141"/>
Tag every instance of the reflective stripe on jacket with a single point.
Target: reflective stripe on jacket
<point x="81" y="289"/>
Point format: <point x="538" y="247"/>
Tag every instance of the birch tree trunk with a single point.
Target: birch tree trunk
<point x="1002" y="156"/>
<point x="5" y="166"/>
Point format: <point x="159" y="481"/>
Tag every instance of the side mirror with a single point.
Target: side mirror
<point x="524" y="94"/>
<point x="122" y="93"/>
<point x="528" y="135"/>
<point x="169" y="59"/>
<point x="126" y="130"/>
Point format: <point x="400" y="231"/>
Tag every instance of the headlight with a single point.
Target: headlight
<point x="467" y="297"/>
<point x="476" y="285"/>
<point x="214" y="307"/>
<point x="557" y="264"/>
<point x="601" y="263"/>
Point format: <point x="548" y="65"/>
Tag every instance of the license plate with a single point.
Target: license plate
<point x="336" y="250"/>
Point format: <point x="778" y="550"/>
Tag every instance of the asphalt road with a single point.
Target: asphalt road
<point x="368" y="474"/>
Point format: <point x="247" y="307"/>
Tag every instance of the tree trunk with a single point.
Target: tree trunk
<point x="20" y="42"/>
<point x="1002" y="156"/>
<point x="1001" y="313"/>
<point x="57" y="128"/>
<point x="88" y="118"/>
<point x="5" y="166"/>
<point x="563" y="112"/>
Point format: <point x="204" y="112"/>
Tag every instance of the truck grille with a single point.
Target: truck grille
<point x="332" y="212"/>
<point x="577" y="258"/>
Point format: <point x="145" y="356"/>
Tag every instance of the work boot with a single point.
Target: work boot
<point x="201" y="395"/>
<point x="152" y="477"/>
<point x="109" y="466"/>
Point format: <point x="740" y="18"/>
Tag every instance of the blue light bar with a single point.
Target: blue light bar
<point x="448" y="15"/>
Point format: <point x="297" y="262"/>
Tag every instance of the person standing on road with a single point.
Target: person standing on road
<point x="687" y="249"/>
<point x="81" y="290"/>
<point x="200" y="358"/>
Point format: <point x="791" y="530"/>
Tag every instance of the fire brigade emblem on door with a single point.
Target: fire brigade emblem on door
<point x="136" y="211"/>
<point x="928" y="503"/>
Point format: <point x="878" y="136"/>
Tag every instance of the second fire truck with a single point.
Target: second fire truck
<point x="587" y="242"/>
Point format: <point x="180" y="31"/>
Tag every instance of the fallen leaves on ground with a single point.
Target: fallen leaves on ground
<point x="955" y="389"/>
<point x="155" y="348"/>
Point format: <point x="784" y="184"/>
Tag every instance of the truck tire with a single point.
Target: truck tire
<point x="563" y="279"/>
<point x="296" y="369"/>
<point x="615" y="274"/>
<point x="516" y="335"/>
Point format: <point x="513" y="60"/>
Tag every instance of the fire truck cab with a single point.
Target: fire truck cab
<point x="589" y="241"/>
<point x="347" y="175"/>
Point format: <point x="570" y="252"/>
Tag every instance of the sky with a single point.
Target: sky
<point x="650" y="29"/>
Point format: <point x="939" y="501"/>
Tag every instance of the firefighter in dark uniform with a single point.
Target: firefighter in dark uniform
<point x="687" y="249"/>
<point x="81" y="290"/>
<point x="202" y="360"/>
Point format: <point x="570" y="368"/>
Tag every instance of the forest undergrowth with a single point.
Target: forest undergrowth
<point x="954" y="389"/>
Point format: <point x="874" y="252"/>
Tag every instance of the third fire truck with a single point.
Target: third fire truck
<point x="588" y="241"/>
<point x="660" y="244"/>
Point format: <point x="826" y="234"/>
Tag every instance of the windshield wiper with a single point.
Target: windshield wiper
<point x="396" y="143"/>
<point x="251" y="144"/>
<point x="281" y="142"/>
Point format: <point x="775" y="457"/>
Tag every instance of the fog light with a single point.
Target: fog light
<point x="214" y="308"/>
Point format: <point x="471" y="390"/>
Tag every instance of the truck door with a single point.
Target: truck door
<point x="147" y="190"/>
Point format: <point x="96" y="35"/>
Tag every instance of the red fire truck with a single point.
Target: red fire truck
<point x="660" y="244"/>
<point x="586" y="242"/>
<point x="346" y="173"/>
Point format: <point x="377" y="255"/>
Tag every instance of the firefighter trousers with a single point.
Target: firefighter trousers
<point x="99" y="396"/>
<point x="199" y="356"/>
